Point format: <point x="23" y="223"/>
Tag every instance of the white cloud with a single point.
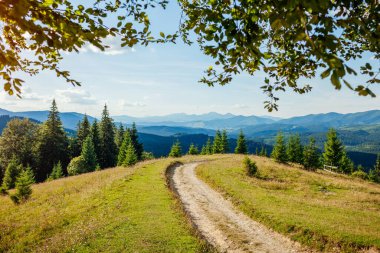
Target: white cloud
<point x="240" y="106"/>
<point x="114" y="47"/>
<point x="125" y="104"/>
<point x="76" y="96"/>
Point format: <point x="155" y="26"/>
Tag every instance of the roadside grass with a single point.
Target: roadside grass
<point x="331" y="213"/>
<point x="114" y="210"/>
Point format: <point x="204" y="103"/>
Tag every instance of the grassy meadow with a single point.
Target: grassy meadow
<point x="114" y="210"/>
<point x="332" y="213"/>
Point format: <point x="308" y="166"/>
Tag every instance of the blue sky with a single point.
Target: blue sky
<point x="163" y="79"/>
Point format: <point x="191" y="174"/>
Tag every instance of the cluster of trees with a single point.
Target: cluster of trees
<point x="46" y="152"/>
<point x="219" y="145"/>
<point x="334" y="156"/>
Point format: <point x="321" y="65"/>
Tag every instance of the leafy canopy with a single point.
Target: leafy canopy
<point x="288" y="40"/>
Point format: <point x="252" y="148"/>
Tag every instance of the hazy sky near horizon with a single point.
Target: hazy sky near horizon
<point x="163" y="79"/>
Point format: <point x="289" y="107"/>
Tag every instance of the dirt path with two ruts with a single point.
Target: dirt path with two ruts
<point x="219" y="222"/>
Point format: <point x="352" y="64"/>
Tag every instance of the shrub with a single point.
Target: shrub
<point x="250" y="166"/>
<point x="23" y="186"/>
<point x="147" y="156"/>
<point x="360" y="174"/>
<point x="77" y="166"/>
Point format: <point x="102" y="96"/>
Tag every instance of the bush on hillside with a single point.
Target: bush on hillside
<point x="77" y="166"/>
<point x="360" y="174"/>
<point x="250" y="167"/>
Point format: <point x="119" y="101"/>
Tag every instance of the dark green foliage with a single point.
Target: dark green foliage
<point x="135" y="141"/>
<point x="130" y="155"/>
<point x="279" y="149"/>
<point x="176" y="150"/>
<point x="374" y="174"/>
<point x="119" y="136"/>
<point x="193" y="150"/>
<point x="57" y="172"/>
<point x="88" y="154"/>
<point x="241" y="145"/>
<point x="83" y="131"/>
<point x="346" y="165"/>
<point x="225" y="146"/>
<point x="311" y="158"/>
<point x="77" y="166"/>
<point x="250" y="166"/>
<point x="123" y="148"/>
<point x="94" y="133"/>
<point x="360" y="174"/>
<point x="11" y="173"/>
<point x="295" y="149"/>
<point x="23" y="186"/>
<point x="334" y="149"/>
<point x="52" y="145"/>
<point x="377" y="164"/>
<point x="217" y="147"/>
<point x="108" y="149"/>
<point x="209" y="147"/>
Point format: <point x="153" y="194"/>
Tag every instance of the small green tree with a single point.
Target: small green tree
<point x="224" y="141"/>
<point x="176" y="150"/>
<point x="123" y="148"/>
<point x="11" y="173"/>
<point x="89" y="155"/>
<point x="130" y="155"/>
<point x="334" y="149"/>
<point x="94" y="133"/>
<point x="77" y="166"/>
<point x="346" y="165"/>
<point x="193" y="150"/>
<point x="147" y="156"/>
<point x="311" y="156"/>
<point x="139" y="148"/>
<point x="23" y="186"/>
<point x="119" y="135"/>
<point x="295" y="149"/>
<point x="203" y="150"/>
<point x="217" y="145"/>
<point x="279" y="149"/>
<point x="250" y="166"/>
<point x="209" y="147"/>
<point x="241" y="145"/>
<point x="57" y="172"/>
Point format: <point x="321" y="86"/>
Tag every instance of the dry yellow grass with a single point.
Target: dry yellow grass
<point x="328" y="212"/>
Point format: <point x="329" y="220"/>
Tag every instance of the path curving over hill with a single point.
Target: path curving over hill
<point x="222" y="225"/>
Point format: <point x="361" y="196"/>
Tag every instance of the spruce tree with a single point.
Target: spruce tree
<point x="94" y="133"/>
<point x="241" y="145"/>
<point x="108" y="149"/>
<point x="311" y="156"/>
<point x="346" y="165"/>
<point x="119" y="136"/>
<point x="279" y="149"/>
<point x="10" y="175"/>
<point x="176" y="150"/>
<point x="203" y="150"/>
<point x="52" y="145"/>
<point x="23" y="186"/>
<point x="334" y="149"/>
<point x="193" y="150"/>
<point x="218" y="144"/>
<point x="294" y="150"/>
<point x="57" y="172"/>
<point x="130" y="155"/>
<point x="123" y="148"/>
<point x="135" y="141"/>
<point x="83" y="131"/>
<point x="88" y="154"/>
<point x="209" y="147"/>
<point x="225" y="146"/>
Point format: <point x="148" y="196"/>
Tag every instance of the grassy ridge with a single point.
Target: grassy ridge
<point x="115" y="210"/>
<point x="327" y="212"/>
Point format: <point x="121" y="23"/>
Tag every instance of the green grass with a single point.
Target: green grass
<point x="327" y="212"/>
<point x="115" y="210"/>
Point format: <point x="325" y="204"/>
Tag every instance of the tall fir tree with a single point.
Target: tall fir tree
<point x="83" y="131"/>
<point x="295" y="149"/>
<point x="334" y="149"/>
<point x="89" y="155"/>
<point x="130" y="155"/>
<point x="176" y="150"/>
<point x="279" y="149"/>
<point x="311" y="159"/>
<point x="218" y="144"/>
<point x="94" y="133"/>
<point x="241" y="144"/>
<point x="225" y="146"/>
<point x="123" y="148"/>
<point x="52" y="145"/>
<point x="108" y="149"/>
<point x="135" y="141"/>
<point x="119" y="136"/>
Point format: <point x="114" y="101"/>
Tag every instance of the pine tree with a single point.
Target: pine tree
<point x="83" y="131"/>
<point x="346" y="165"/>
<point x="193" y="150"/>
<point x="294" y="150"/>
<point x="88" y="154"/>
<point x="279" y="149"/>
<point x="311" y="156"/>
<point x="334" y="149"/>
<point x="108" y="149"/>
<point x="94" y="133"/>
<point x="135" y="141"/>
<point x="123" y="148"/>
<point x="209" y="147"/>
<point x="10" y="176"/>
<point x="241" y="145"/>
<point x="52" y="145"/>
<point x="119" y="136"/>
<point x="130" y="155"/>
<point x="23" y="186"/>
<point x="176" y="150"/>
<point x="218" y="145"/>
<point x="225" y="146"/>
<point x="203" y="150"/>
<point x="57" y="172"/>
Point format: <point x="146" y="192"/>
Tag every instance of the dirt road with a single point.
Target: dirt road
<point x="226" y="228"/>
